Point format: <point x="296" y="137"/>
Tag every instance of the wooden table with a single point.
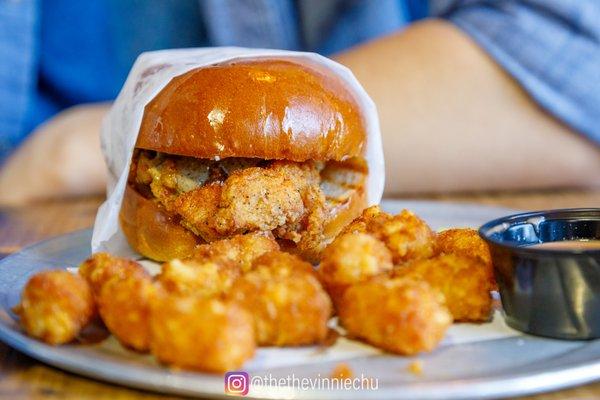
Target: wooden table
<point x="22" y="377"/>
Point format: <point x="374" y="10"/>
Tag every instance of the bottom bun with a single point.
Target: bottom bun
<point x="155" y="234"/>
<point x="151" y="231"/>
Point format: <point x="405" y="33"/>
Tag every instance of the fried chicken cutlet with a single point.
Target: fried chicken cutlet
<point x="219" y="199"/>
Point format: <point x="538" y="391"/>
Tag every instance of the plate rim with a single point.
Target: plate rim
<point x="480" y="388"/>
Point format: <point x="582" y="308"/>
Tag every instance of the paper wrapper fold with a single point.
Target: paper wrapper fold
<point x="149" y="75"/>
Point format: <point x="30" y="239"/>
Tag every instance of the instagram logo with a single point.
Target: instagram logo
<point x="237" y="383"/>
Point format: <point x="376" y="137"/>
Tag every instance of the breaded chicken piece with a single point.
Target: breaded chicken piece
<point x="308" y="233"/>
<point x="188" y="186"/>
<point x="464" y="281"/>
<point x="198" y="276"/>
<point x="262" y="199"/>
<point x="124" y="306"/>
<point x="205" y="334"/>
<point x="287" y="302"/>
<point x="350" y="259"/>
<point x="141" y="163"/>
<point x="406" y="235"/>
<point x="164" y="182"/>
<point x="101" y="267"/>
<point x="55" y="306"/>
<point x="284" y="198"/>
<point x="185" y="186"/>
<point x="171" y="175"/>
<point x="218" y="199"/>
<point x="282" y="264"/>
<point x="197" y="209"/>
<point x="399" y="315"/>
<point x="240" y="249"/>
<point x="466" y="242"/>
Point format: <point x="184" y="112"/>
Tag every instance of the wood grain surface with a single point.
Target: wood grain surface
<point x="24" y="378"/>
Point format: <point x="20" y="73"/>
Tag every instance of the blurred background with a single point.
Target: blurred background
<point x="474" y="95"/>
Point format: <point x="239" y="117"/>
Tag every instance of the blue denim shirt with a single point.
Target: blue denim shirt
<point x="58" y="53"/>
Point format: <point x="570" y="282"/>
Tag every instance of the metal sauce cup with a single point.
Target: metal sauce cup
<point x="548" y="292"/>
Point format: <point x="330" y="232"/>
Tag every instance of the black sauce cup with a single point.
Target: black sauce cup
<point x="548" y="292"/>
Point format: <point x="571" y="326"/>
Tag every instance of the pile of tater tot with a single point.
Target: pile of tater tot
<point x="390" y="279"/>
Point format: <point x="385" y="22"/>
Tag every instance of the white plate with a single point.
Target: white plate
<point x="498" y="363"/>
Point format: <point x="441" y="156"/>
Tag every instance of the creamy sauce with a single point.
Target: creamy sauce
<point x="569" y="245"/>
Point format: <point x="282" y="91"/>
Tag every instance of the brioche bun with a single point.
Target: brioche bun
<point x="151" y="231"/>
<point x="268" y="109"/>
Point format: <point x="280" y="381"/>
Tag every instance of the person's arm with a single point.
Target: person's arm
<point x="61" y="158"/>
<point x="453" y="119"/>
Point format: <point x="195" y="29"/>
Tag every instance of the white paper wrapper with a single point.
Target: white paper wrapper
<point x="149" y="75"/>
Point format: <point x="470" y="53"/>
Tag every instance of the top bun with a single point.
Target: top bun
<point x="267" y="108"/>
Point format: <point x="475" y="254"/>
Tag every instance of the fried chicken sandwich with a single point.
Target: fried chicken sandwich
<point x="265" y="145"/>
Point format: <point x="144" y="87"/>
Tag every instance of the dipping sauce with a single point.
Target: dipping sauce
<point x="569" y="245"/>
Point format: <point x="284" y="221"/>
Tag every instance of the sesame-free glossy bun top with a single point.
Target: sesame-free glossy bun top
<point x="265" y="108"/>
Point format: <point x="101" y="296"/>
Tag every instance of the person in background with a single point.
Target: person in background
<point x="472" y="95"/>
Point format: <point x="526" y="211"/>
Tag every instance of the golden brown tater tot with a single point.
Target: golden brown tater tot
<point x="101" y="267"/>
<point x="466" y="242"/>
<point x="205" y="334"/>
<point x="240" y="249"/>
<point x="350" y="259"/>
<point x="124" y="306"/>
<point x="286" y="300"/>
<point x="55" y="306"/>
<point x="399" y="315"/>
<point x="464" y="282"/>
<point x="405" y="235"/>
<point x="205" y="277"/>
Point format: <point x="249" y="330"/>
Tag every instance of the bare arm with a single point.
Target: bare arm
<point x="61" y="158"/>
<point x="454" y="120"/>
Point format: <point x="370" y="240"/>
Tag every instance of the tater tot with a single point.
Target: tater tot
<point x="464" y="282"/>
<point x="466" y="242"/>
<point x="124" y="306"/>
<point x="350" y="259"/>
<point x="101" y="267"/>
<point x="201" y="333"/>
<point x="240" y="249"/>
<point x="399" y="315"/>
<point x="282" y="263"/>
<point x="405" y="235"/>
<point x="286" y="300"/>
<point x="197" y="276"/>
<point x="361" y="223"/>
<point x="55" y="306"/>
